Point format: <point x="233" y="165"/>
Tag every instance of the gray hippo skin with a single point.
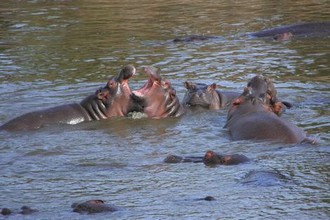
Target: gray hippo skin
<point x="158" y="97"/>
<point x="265" y="178"/>
<point x="25" y="210"/>
<point x="250" y="117"/>
<point x="193" y="38"/>
<point x="263" y="88"/>
<point x="112" y="100"/>
<point x="207" y="96"/>
<point x="92" y="206"/>
<point x="210" y="159"/>
<point x="312" y="29"/>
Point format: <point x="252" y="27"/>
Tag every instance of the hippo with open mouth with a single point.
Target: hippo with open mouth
<point x="112" y="100"/>
<point x="158" y="97"/>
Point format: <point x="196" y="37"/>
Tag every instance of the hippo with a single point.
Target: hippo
<point x="158" y="97"/>
<point x="112" y="100"/>
<point x="207" y="96"/>
<point x="193" y="38"/>
<point x="25" y="210"/>
<point x="210" y="159"/>
<point x="93" y="206"/>
<point x="263" y="88"/>
<point x="264" y="178"/>
<point x="250" y="118"/>
<point x="286" y="32"/>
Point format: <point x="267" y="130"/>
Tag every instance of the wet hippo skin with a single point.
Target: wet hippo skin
<point x="263" y="88"/>
<point x="25" y="210"/>
<point x="112" y="100"/>
<point x="210" y="159"/>
<point x="207" y="96"/>
<point x="281" y="33"/>
<point x="250" y="117"/>
<point x="93" y="206"/>
<point x="158" y="97"/>
<point x="286" y="32"/>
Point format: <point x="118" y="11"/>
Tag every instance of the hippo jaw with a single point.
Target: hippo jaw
<point x="116" y="95"/>
<point x="157" y="95"/>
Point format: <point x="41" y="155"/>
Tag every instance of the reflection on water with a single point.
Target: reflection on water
<point x="57" y="52"/>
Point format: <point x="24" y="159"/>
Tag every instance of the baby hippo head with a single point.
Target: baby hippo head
<point x="202" y="95"/>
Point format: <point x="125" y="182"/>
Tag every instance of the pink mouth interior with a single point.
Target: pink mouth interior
<point x="148" y="85"/>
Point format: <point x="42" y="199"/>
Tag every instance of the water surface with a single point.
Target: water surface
<point x="58" y="52"/>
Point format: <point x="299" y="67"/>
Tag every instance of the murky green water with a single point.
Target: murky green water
<point x="57" y="52"/>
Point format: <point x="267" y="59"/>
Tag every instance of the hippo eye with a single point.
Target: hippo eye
<point x="112" y="84"/>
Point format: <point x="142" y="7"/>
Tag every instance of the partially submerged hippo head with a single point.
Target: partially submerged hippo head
<point x="200" y="94"/>
<point x="157" y="96"/>
<point x="207" y="96"/>
<point x="262" y="88"/>
<point x="211" y="159"/>
<point x="115" y="98"/>
<point x="93" y="206"/>
<point x="283" y="36"/>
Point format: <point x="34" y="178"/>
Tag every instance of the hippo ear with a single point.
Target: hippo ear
<point x="166" y="84"/>
<point x="189" y="85"/>
<point x="212" y="87"/>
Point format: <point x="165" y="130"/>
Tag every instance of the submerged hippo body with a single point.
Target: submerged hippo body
<point x="210" y="159"/>
<point x="158" y="97"/>
<point x="253" y="121"/>
<point x="93" y="206"/>
<point x="312" y="29"/>
<point x="194" y="38"/>
<point x="112" y="100"/>
<point x="252" y="116"/>
<point x="206" y="96"/>
<point x="25" y="210"/>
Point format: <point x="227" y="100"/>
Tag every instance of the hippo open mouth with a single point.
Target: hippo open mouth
<point x="157" y="97"/>
<point x="153" y="80"/>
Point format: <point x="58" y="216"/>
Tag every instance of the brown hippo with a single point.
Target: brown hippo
<point x="93" y="206"/>
<point x="210" y="159"/>
<point x="158" y="97"/>
<point x="250" y="118"/>
<point x="112" y="100"/>
<point x="207" y="96"/>
<point x="286" y="32"/>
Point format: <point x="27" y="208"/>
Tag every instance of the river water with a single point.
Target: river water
<point x="58" y="52"/>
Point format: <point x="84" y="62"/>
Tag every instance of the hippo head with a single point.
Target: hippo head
<point x="262" y="88"/>
<point x="115" y="97"/>
<point x="158" y="96"/>
<point x="200" y="94"/>
<point x="211" y="158"/>
<point x="92" y="206"/>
